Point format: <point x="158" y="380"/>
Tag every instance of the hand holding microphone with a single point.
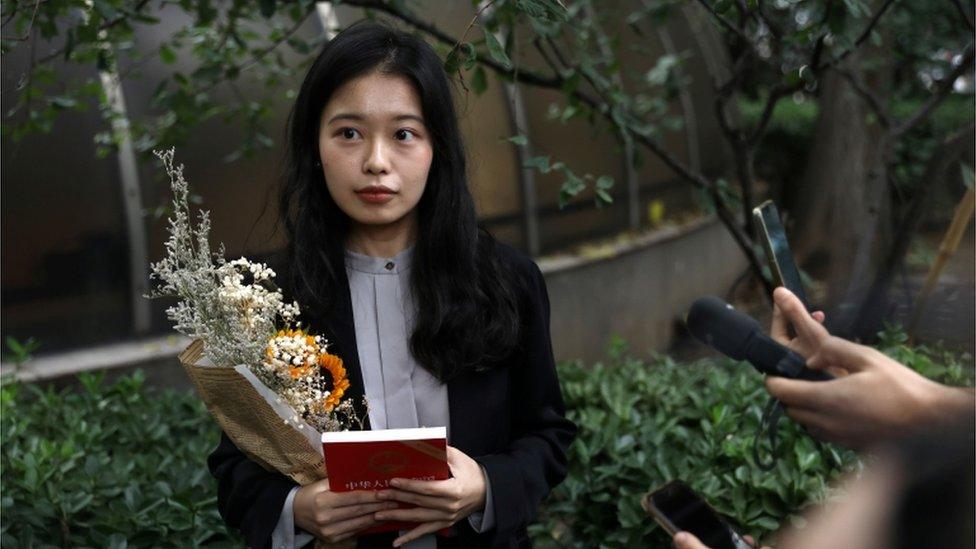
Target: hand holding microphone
<point x="737" y="335"/>
<point x="879" y="399"/>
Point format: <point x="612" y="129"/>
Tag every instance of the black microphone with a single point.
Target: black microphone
<point x="737" y="335"/>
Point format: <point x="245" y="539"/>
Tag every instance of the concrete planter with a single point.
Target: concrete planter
<point x="635" y="290"/>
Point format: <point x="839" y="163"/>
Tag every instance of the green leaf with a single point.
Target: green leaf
<point x="540" y="163"/>
<point x="722" y="6"/>
<point x="661" y="71"/>
<point x="496" y="50"/>
<point x="167" y="55"/>
<point x="479" y="82"/>
<point x="268" y="8"/>
<point x="519" y="140"/>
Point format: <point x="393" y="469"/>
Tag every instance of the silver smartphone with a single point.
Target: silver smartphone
<point x="778" y="253"/>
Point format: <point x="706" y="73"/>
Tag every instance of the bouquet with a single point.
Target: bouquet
<point x="272" y="386"/>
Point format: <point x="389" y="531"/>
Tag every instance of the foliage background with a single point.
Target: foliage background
<point x="120" y="464"/>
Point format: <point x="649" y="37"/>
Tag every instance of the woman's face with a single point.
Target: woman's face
<point x="375" y="150"/>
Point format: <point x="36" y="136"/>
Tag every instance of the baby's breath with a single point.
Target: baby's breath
<point x="235" y="308"/>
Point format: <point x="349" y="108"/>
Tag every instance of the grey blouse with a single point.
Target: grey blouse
<point x="400" y="392"/>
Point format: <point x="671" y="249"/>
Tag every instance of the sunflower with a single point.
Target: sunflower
<point x="340" y="383"/>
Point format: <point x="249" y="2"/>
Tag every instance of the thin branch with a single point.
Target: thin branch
<point x="525" y="76"/>
<point x="773" y="28"/>
<point x="728" y="26"/>
<point x="472" y="22"/>
<point x="944" y="87"/>
<point x="545" y="55"/>
<point x="775" y="95"/>
<point x="865" y="34"/>
<point x="258" y="55"/>
<point x="104" y="27"/>
<point x="962" y="12"/>
<point x="874" y="102"/>
<point x="30" y="27"/>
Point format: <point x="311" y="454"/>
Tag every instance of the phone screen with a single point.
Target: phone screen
<point x="689" y="513"/>
<point x="781" y="260"/>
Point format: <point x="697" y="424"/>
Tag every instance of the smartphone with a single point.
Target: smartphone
<point x="778" y="253"/>
<point x="677" y="508"/>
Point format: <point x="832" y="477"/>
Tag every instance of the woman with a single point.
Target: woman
<point x="437" y="323"/>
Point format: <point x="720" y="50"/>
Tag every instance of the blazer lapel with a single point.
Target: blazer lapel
<point x="341" y="333"/>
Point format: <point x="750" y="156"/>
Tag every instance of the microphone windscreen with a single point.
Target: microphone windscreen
<point x="718" y="325"/>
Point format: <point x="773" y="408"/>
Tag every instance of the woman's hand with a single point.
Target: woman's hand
<point x="335" y="516"/>
<point x="440" y="503"/>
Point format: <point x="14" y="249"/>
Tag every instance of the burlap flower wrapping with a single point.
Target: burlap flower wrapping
<point x="253" y="424"/>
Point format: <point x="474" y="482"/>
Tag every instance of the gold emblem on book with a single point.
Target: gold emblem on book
<point x="387" y="462"/>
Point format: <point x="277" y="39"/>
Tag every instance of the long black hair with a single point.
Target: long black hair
<point x="467" y="308"/>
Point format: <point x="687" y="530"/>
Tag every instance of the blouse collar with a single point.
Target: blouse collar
<point x="399" y="263"/>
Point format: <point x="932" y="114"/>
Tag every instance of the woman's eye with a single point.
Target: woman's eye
<point x="349" y="133"/>
<point x="404" y="135"/>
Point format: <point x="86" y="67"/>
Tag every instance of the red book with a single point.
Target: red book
<point x="368" y="460"/>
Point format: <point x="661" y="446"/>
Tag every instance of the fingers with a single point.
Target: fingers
<point x="352" y="511"/>
<point x="844" y="354"/>
<point x="423" y="529"/>
<point x="796" y="314"/>
<point x="416" y="514"/>
<point x="779" y="329"/>
<point x="437" y="488"/>
<point x="356" y="497"/>
<point x="685" y="540"/>
<point x="819" y="316"/>
<point x="338" y="531"/>
<point x="819" y="425"/>
<point x="417" y="499"/>
<point x="803" y="394"/>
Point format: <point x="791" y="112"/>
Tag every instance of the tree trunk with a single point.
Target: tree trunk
<point x="844" y="206"/>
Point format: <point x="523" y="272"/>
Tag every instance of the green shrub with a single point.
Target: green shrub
<point x="122" y="464"/>
<point x="932" y="361"/>
<point x="108" y="466"/>
<point x="643" y="424"/>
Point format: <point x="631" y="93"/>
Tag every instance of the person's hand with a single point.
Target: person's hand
<point x="440" y="503"/>
<point x="788" y="311"/>
<point x="880" y="398"/>
<point x="687" y="540"/>
<point x="335" y="516"/>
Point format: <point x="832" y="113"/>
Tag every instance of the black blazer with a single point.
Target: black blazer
<point x="510" y="419"/>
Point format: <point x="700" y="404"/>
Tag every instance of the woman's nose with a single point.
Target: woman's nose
<point x="377" y="158"/>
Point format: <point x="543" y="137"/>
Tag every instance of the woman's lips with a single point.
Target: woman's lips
<point x="375" y="195"/>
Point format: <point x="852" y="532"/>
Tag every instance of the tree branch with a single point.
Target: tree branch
<point x="943" y="88"/>
<point x="962" y="12"/>
<point x="947" y="152"/>
<point x="30" y="27"/>
<point x="258" y="55"/>
<point x="777" y="93"/>
<point x="103" y="27"/>
<point x="746" y="39"/>
<point x="874" y="102"/>
<point x="865" y="34"/>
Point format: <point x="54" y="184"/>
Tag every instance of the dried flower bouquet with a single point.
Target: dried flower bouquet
<point x="271" y="386"/>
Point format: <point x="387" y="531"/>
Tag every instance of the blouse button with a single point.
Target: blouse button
<point x="389" y="265"/>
